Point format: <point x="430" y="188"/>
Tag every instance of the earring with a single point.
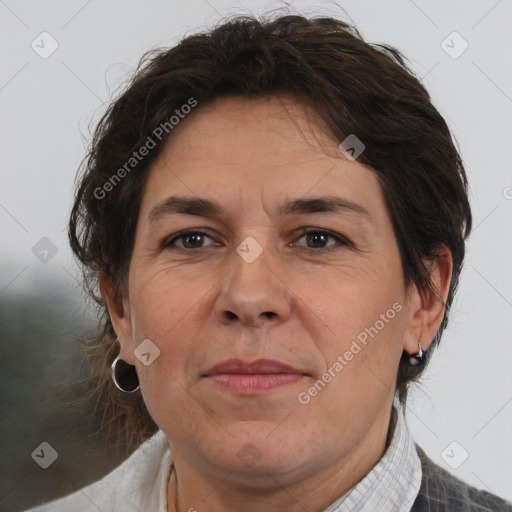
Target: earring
<point x="124" y="376"/>
<point x="417" y="359"/>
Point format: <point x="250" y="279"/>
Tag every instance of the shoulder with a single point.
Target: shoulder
<point x="442" y="492"/>
<point x="130" y="487"/>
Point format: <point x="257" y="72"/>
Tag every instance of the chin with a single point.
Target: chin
<point x="257" y="460"/>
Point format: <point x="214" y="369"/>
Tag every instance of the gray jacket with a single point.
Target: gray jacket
<point x="442" y="492"/>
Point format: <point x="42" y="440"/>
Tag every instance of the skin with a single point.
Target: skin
<point x="202" y="303"/>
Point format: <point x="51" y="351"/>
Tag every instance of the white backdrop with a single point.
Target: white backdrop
<point x="53" y="85"/>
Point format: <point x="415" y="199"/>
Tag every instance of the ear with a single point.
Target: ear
<point x="119" y="311"/>
<point x="425" y="309"/>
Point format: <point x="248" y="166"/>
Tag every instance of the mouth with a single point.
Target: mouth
<point x="253" y="378"/>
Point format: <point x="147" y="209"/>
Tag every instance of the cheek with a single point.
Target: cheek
<point x="162" y="304"/>
<point x="166" y="310"/>
<point x="366" y="320"/>
<point x="351" y="307"/>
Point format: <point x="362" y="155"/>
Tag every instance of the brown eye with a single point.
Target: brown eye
<point x="318" y="238"/>
<point x="189" y="240"/>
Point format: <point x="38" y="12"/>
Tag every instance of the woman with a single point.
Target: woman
<point x="274" y="214"/>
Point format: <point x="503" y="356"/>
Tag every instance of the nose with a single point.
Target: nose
<point x="255" y="293"/>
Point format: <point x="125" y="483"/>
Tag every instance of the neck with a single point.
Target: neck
<point x="191" y="489"/>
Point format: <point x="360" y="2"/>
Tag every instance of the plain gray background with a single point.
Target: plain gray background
<point x="464" y="406"/>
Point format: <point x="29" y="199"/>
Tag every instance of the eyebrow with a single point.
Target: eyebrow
<point x="210" y="208"/>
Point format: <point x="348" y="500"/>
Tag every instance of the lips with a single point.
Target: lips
<point x="255" y="378"/>
<point x="253" y="384"/>
<point x="258" y="367"/>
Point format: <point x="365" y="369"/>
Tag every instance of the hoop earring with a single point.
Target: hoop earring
<point x="417" y="359"/>
<point x="124" y="376"/>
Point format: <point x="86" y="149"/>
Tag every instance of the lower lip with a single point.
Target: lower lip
<point x="253" y="384"/>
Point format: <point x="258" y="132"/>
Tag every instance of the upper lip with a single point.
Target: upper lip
<point x="257" y="367"/>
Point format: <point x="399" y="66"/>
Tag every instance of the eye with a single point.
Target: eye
<point x="191" y="239"/>
<point x="319" y="237"/>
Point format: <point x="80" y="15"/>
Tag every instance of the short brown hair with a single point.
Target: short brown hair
<point x="356" y="87"/>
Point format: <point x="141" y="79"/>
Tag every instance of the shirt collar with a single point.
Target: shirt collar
<point x="394" y="482"/>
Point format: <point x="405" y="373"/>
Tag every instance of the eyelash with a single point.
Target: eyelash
<point x="168" y="244"/>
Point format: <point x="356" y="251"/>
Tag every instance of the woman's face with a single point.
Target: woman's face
<point x="254" y="285"/>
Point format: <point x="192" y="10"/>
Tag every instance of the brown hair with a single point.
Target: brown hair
<point x="356" y="87"/>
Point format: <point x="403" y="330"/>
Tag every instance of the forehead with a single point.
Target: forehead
<point x="284" y="124"/>
<point x="240" y="150"/>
